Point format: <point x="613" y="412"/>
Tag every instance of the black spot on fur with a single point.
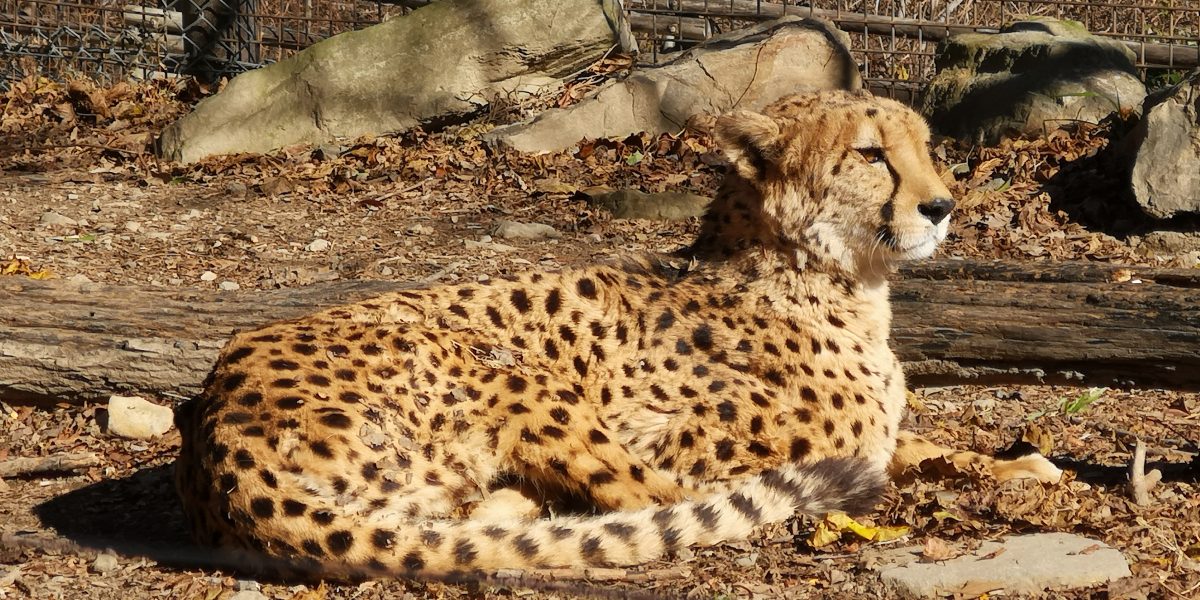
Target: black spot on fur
<point x="702" y="338"/>
<point x="238" y="354"/>
<point x="262" y="508"/>
<point x="587" y="288"/>
<point x="293" y="508"/>
<point x="520" y="301"/>
<point x="336" y="420"/>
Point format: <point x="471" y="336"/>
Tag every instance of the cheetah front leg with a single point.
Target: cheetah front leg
<point x="912" y="449"/>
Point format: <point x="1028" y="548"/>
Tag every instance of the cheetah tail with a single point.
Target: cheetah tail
<point x="443" y="548"/>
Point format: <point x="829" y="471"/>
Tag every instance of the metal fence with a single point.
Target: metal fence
<point x="893" y="40"/>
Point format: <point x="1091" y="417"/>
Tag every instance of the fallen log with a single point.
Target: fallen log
<point x="956" y="322"/>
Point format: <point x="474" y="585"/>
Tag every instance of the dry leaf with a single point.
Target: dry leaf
<point x="831" y="528"/>
<point x="935" y="550"/>
<point x="20" y="266"/>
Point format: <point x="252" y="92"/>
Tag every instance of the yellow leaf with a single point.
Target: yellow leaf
<point x="890" y="532"/>
<point x="942" y="515"/>
<point x="20" y="266"/>
<point x="831" y="528"/>
<point x="914" y="403"/>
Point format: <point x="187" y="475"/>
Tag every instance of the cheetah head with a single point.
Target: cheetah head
<point x="842" y="174"/>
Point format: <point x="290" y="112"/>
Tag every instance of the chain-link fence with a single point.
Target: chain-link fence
<point x="108" y="39"/>
<point x="893" y="40"/>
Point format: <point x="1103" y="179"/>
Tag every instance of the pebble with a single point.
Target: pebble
<point x="248" y="595"/>
<point x="318" y="245"/>
<point x="229" y="286"/>
<point x="236" y="189"/>
<point x="525" y="231"/>
<point x="746" y="561"/>
<point x="134" y="417"/>
<point x="53" y="218"/>
<point x="105" y="563"/>
<point x="79" y="278"/>
<point x="208" y="276"/>
<point x="243" y="585"/>
<point x="133" y="226"/>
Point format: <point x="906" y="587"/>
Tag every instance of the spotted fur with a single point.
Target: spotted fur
<point x="422" y="431"/>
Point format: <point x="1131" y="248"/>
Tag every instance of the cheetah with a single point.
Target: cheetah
<point x="679" y="400"/>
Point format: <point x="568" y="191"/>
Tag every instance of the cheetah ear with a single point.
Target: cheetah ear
<point x="749" y="139"/>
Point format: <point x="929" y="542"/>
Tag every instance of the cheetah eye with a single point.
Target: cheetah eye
<point x="872" y="155"/>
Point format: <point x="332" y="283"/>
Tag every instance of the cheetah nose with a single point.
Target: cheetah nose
<point x="937" y="209"/>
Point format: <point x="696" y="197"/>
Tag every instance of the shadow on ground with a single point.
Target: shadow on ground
<point x="137" y="515"/>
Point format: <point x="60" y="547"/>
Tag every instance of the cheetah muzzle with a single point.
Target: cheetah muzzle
<point x="422" y="431"/>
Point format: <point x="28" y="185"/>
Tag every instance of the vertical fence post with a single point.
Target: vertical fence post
<point x="220" y="37"/>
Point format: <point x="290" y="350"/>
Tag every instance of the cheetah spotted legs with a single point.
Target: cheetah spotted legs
<point x="912" y="449"/>
<point x="583" y="458"/>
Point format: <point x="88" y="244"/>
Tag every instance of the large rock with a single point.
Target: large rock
<point x="1164" y="151"/>
<point x="440" y="62"/>
<point x="1016" y="565"/>
<point x="1033" y="76"/>
<point x="748" y="68"/>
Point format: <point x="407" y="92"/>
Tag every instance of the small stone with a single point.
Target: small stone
<point x="747" y="560"/>
<point x="418" y="229"/>
<point x="79" y="278"/>
<point x="208" y="276"/>
<point x="525" y="231"/>
<point x="318" y="245"/>
<point x="174" y="281"/>
<point x="105" y="563"/>
<point x="236" y="189"/>
<point x="247" y="585"/>
<point x="133" y="226"/>
<point x="248" y="595"/>
<point x="53" y="218"/>
<point x="134" y="417"/>
<point x="229" y="286"/>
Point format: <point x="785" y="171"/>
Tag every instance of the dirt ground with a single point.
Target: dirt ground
<point x="81" y="196"/>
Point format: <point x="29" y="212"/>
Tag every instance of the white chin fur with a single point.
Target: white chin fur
<point x="925" y="245"/>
